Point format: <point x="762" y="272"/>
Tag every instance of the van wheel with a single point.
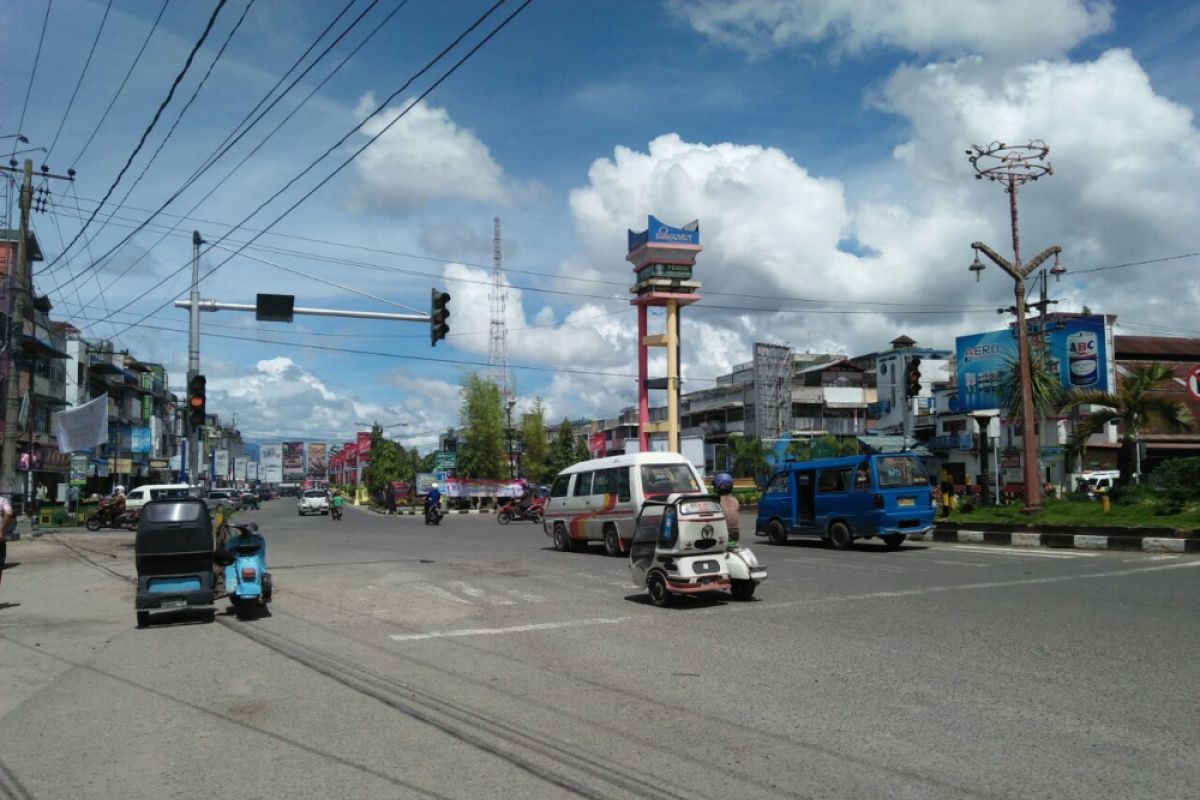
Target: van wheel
<point x="894" y="540"/>
<point x="776" y="533"/>
<point x="839" y="536"/>
<point x="562" y="542"/>
<point x="657" y="587"/>
<point x="612" y="542"/>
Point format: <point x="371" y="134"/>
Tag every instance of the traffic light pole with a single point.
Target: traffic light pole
<point x="193" y="433"/>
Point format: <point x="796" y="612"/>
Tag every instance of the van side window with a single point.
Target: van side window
<point x="605" y="482"/>
<point x="862" y="478"/>
<point x="583" y="484"/>
<point x="779" y="484"/>
<point x="622" y="484"/>
<point x="559" y="489"/>
<point x="833" y="480"/>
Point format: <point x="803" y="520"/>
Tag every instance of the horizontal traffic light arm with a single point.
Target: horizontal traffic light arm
<point x="213" y="305"/>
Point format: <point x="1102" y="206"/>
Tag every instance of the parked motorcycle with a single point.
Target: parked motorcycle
<point x="244" y="557"/>
<point x="105" y="516"/>
<point x="512" y="512"/>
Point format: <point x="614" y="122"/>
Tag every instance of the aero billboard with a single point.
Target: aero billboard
<point x="1078" y="351"/>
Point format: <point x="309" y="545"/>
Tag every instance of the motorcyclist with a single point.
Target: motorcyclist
<point x="723" y="485"/>
<point x="336" y="503"/>
<point x="433" y="499"/>
<point x="525" y="500"/>
<point x="117" y="507"/>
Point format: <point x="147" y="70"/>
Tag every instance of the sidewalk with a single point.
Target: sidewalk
<point x="1147" y="540"/>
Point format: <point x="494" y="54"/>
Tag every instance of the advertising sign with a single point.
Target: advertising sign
<point x="658" y="232"/>
<point x="597" y="445"/>
<point x="424" y="481"/>
<point x="239" y="468"/>
<point x="293" y="461"/>
<point x="221" y="464"/>
<point x="139" y="439"/>
<point x="271" y="456"/>
<point x="318" y="462"/>
<point x="364" y="442"/>
<point x="1076" y="347"/>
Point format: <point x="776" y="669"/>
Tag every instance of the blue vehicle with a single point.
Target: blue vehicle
<point x="842" y="499"/>
<point x="174" y="557"/>
<point x="244" y="556"/>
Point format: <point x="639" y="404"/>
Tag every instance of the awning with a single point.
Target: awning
<point x="34" y="345"/>
<point x="830" y="404"/>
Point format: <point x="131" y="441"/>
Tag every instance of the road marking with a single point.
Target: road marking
<point x="439" y="592"/>
<point x="541" y="626"/>
<point x="528" y="598"/>
<point x="959" y="563"/>
<point x="1157" y="558"/>
<point x="480" y="594"/>
<point x="1008" y="551"/>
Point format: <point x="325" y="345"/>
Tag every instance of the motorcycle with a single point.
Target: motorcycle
<point x="511" y="511"/>
<point x="433" y="514"/>
<point x="745" y="573"/>
<point x="104" y="517"/>
<point x="244" y="557"/>
<point x="335" y="513"/>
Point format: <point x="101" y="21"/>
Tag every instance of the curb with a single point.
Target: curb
<point x="1127" y="541"/>
<point x="417" y="513"/>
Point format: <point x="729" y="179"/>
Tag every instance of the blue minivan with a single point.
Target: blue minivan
<point x="842" y="499"/>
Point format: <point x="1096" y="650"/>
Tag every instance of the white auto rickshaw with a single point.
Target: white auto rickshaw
<point x="679" y="547"/>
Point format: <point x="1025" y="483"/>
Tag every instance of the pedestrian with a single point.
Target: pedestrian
<point x="947" y="494"/>
<point x="389" y="499"/>
<point x="8" y="520"/>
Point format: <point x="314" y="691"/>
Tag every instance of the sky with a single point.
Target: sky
<point x="820" y="144"/>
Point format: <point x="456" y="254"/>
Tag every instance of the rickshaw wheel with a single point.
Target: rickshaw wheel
<point x="143" y="619"/>
<point x="657" y="587"/>
<point x="776" y="533"/>
<point x="562" y="541"/>
<point x="894" y="540"/>
<point x="839" y="536"/>
<point x="612" y="544"/>
<point x="742" y="590"/>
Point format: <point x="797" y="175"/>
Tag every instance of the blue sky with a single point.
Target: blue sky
<point x="819" y="143"/>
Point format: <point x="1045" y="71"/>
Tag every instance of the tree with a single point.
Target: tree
<point x="385" y="464"/>
<point x="534" y="450"/>
<point x="480" y="453"/>
<point x="1138" y="406"/>
<point x="562" y="453"/>
<point x="582" y="453"/>
<point x="1047" y="386"/>
<point x="749" y="457"/>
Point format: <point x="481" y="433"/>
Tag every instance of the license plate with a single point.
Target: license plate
<point x="701" y="567"/>
<point x="174" y="603"/>
<point x="906" y="501"/>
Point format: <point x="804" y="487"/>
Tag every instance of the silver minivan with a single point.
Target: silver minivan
<point x="599" y="500"/>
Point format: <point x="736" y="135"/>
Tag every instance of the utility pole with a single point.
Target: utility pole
<point x="193" y="433"/>
<point x="18" y="310"/>
<point x="1012" y="166"/>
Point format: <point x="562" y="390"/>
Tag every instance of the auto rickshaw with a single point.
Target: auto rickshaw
<point x="679" y="547"/>
<point x="174" y="556"/>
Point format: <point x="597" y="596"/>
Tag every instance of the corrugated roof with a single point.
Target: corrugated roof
<point x="1172" y="348"/>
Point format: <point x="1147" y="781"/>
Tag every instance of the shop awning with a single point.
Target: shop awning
<point x="41" y="348"/>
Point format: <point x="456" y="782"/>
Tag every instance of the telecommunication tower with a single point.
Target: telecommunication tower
<point x="498" y="342"/>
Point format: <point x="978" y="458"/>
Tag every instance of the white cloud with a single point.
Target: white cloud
<point x="425" y="157"/>
<point x="1008" y="29"/>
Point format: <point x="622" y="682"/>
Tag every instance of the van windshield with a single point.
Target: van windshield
<point x="895" y="471"/>
<point x="668" y="478"/>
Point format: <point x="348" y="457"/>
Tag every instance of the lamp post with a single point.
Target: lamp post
<point x="1011" y="166"/>
<point x="508" y="432"/>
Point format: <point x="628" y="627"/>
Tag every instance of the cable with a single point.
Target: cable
<point x="369" y="142"/>
<point x="87" y="63"/>
<point x="145" y="134"/>
<point x="29" y="89"/>
<point x="1135" y="263"/>
<point x="121" y="88"/>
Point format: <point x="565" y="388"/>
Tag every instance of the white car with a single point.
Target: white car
<point x="313" y="501"/>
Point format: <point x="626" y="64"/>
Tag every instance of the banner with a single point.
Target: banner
<point x="139" y="439"/>
<point x="221" y="464"/>
<point x="293" y="461"/>
<point x="318" y="464"/>
<point x="83" y="427"/>
<point x="271" y="461"/>
<point x="476" y="487"/>
<point x="597" y="445"/>
<point x="239" y="468"/>
<point x="364" y="442"/>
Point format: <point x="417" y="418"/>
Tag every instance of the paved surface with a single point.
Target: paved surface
<point x="470" y="660"/>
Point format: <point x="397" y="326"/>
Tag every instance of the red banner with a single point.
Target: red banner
<point x="364" y="442"/>
<point x="596" y="445"/>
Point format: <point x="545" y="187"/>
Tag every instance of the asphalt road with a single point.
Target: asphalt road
<point x="472" y="660"/>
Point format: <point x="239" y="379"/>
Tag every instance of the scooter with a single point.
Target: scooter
<point x="433" y="514"/>
<point x="745" y="573"/>
<point x="103" y="517"/>
<point x="247" y="582"/>
<point x="511" y="511"/>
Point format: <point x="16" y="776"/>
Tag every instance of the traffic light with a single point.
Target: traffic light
<point x="195" y="411"/>
<point x="439" y="309"/>
<point x="912" y="376"/>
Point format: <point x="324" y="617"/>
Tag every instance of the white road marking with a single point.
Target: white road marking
<point x="1008" y="551"/>
<point x="541" y="626"/>
<point x="439" y="592"/>
<point x="480" y="594"/>
<point x="959" y="563"/>
<point x="1157" y="558"/>
<point x="528" y="598"/>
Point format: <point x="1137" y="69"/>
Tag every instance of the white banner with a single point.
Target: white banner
<point x="221" y="464"/>
<point x="271" y="463"/>
<point x="83" y="427"/>
<point x="239" y="468"/>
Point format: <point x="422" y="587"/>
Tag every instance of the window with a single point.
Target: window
<point x="622" y="484"/>
<point x="778" y="484"/>
<point x="604" y="482"/>
<point x="583" y="484"/>
<point x="896" y="471"/>
<point x="833" y="480"/>
<point x="862" y="478"/>
<point x="559" y="489"/>
<point x="663" y="479"/>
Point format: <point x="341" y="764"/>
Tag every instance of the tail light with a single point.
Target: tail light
<point x="248" y="573"/>
<point x="878" y="500"/>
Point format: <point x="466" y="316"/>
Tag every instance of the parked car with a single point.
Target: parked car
<point x="313" y="501"/>
<point x="227" y="497"/>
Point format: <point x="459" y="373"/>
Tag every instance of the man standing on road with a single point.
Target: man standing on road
<point x="8" y="520"/>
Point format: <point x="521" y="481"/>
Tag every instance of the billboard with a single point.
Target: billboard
<point x="239" y="468"/>
<point x="221" y="464"/>
<point x="318" y="463"/>
<point x="271" y="459"/>
<point x="1077" y="347"/>
<point x="293" y="461"/>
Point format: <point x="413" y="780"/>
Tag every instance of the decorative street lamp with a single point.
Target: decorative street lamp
<point x="1011" y="166"/>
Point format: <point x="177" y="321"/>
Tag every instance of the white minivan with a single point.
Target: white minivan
<point x="599" y="500"/>
<point x="136" y="498"/>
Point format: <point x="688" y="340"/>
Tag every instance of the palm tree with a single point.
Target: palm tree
<point x="1138" y="405"/>
<point x="1047" y="386"/>
<point x="749" y="456"/>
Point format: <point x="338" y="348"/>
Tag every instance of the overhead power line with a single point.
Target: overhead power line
<point x="75" y="93"/>
<point x="32" y="74"/>
<point x="146" y="133"/>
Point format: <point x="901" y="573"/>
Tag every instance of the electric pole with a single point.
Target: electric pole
<point x="16" y="325"/>
<point x="193" y="432"/>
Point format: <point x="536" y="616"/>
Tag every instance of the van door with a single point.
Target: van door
<point x="832" y="497"/>
<point x="777" y="502"/>
<point x="805" y="501"/>
<point x="603" y="498"/>
<point x="580" y="506"/>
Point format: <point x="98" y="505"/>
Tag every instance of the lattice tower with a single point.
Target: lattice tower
<point x="498" y="341"/>
<point x="773" y="389"/>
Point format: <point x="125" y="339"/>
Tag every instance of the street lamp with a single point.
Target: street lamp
<point x="1012" y="166"/>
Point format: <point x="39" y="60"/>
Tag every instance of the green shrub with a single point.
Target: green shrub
<point x="966" y="504"/>
<point x="1180" y="477"/>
